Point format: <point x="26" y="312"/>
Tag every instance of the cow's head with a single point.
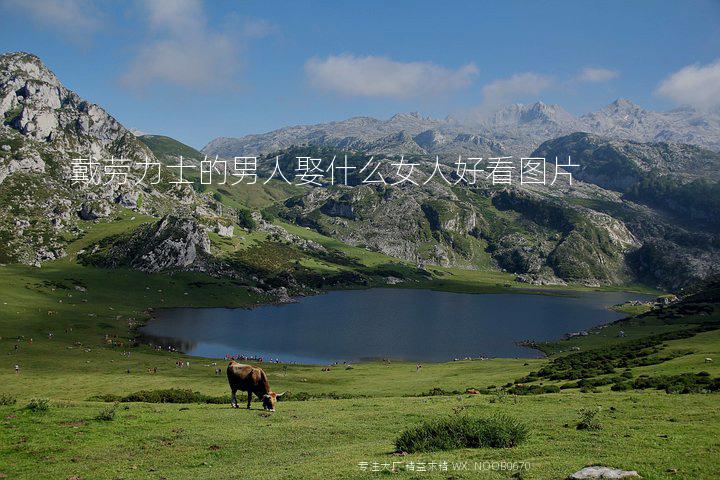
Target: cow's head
<point x="270" y="400"/>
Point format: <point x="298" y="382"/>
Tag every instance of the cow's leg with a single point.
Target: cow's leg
<point x="249" y="399"/>
<point x="233" y="401"/>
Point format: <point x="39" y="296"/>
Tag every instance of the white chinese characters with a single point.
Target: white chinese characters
<point x="311" y="171"/>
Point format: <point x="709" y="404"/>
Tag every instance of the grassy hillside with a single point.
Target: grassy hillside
<point x="165" y="147"/>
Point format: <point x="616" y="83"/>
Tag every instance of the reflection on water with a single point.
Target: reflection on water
<point x="416" y="325"/>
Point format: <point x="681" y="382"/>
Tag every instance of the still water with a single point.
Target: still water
<point x="415" y="325"/>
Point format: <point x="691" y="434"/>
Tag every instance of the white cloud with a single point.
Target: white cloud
<point x="258" y="28"/>
<point x="175" y="16"/>
<point x="372" y="76"/>
<point x="521" y="84"/>
<point x="75" y="19"/>
<point x="591" y="74"/>
<point x="695" y="85"/>
<point x="182" y="50"/>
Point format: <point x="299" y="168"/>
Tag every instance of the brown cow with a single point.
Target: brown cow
<point x="251" y="380"/>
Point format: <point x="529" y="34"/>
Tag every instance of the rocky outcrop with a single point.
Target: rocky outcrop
<point x="173" y="243"/>
<point x="93" y="211"/>
<point x="225" y="230"/>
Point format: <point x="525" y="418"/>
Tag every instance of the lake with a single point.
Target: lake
<point x="414" y="325"/>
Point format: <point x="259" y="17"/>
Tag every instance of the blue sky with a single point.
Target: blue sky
<point x="196" y="70"/>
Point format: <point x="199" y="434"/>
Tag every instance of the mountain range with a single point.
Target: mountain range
<point x="516" y="129"/>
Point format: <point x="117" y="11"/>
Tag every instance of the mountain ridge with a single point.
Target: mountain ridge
<point x="517" y="129"/>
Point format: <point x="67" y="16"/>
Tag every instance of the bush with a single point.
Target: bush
<point x="682" y="383"/>
<point x="172" y="395"/>
<point x="533" y="389"/>
<point x="7" y="399"/>
<point x="621" y="387"/>
<point x="268" y="216"/>
<point x="439" y="392"/>
<point x="462" y="432"/>
<point x="38" y="405"/>
<point x="107" y="414"/>
<point x="588" y="419"/>
<point x="245" y="220"/>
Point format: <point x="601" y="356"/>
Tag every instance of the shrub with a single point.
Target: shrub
<point x="38" y="405"/>
<point x="7" y="399"/>
<point x="621" y="387"/>
<point x="107" y="414"/>
<point x="462" y="432"/>
<point x="533" y="389"/>
<point x="682" y="383"/>
<point x="439" y="392"/>
<point x="172" y="395"/>
<point x="588" y="419"/>
<point x="268" y="216"/>
<point x="245" y="220"/>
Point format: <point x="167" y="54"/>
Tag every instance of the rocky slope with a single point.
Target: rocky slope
<point x="530" y="232"/>
<point x="620" y="164"/>
<point x="173" y="243"/>
<point x="597" y="231"/>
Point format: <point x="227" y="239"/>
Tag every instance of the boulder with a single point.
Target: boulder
<point x="225" y="230"/>
<point x="93" y="212"/>
<point x="128" y="199"/>
<point x="602" y="472"/>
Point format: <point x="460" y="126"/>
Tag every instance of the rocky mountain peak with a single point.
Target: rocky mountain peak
<point x="406" y="116"/>
<point x="35" y="103"/>
<point x="624" y="103"/>
<point x="623" y="106"/>
<point x="429" y="139"/>
<point x="27" y="65"/>
<point x="519" y="114"/>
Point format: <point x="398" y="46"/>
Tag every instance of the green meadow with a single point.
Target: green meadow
<point x="340" y="423"/>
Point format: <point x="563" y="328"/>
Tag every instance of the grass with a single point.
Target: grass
<point x="329" y="438"/>
<point x="350" y="416"/>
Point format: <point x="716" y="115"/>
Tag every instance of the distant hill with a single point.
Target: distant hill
<point x="166" y="148"/>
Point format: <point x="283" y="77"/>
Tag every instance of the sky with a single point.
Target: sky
<point x="198" y="70"/>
